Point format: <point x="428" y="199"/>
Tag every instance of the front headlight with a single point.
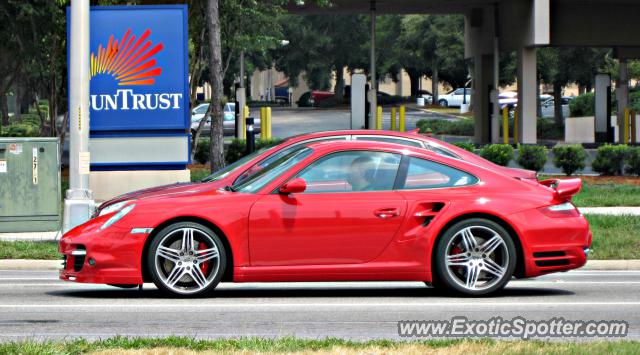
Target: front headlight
<point x="116" y="217"/>
<point x="113" y="208"/>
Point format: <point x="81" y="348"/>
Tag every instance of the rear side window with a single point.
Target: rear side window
<point x="426" y="174"/>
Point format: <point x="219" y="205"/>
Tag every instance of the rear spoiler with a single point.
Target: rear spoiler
<point x="564" y="189"/>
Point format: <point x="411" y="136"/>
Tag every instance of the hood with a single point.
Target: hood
<point x="184" y="188"/>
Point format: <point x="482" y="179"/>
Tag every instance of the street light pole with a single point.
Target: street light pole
<point x="78" y="205"/>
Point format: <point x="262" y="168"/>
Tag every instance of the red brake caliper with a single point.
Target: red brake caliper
<point x="456" y="250"/>
<point x="204" y="265"/>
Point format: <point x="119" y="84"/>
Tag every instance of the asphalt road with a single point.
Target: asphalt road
<point x="36" y="304"/>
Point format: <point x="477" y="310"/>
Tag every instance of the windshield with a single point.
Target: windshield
<point x="259" y="180"/>
<point x="224" y="172"/>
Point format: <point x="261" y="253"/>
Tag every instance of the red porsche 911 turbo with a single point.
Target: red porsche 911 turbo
<point x="336" y="211"/>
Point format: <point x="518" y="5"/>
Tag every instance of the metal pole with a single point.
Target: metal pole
<point x="78" y="205"/>
<point x="373" y="104"/>
<point x="241" y="98"/>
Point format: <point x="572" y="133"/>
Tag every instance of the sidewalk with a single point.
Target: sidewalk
<point x="611" y="211"/>
<point x="31" y="236"/>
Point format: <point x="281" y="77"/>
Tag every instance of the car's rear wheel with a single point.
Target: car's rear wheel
<point x="475" y="257"/>
<point x="443" y="103"/>
<point x="186" y="259"/>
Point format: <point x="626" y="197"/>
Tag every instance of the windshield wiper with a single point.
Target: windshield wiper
<point x="229" y="188"/>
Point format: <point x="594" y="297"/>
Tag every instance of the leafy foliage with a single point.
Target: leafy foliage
<point x="235" y="150"/>
<point x="532" y="157"/>
<point x="583" y="105"/>
<point x="610" y="159"/>
<point x="500" y="154"/>
<point x="463" y="127"/>
<point x="570" y="158"/>
<point x="468" y="146"/>
<point x="633" y="161"/>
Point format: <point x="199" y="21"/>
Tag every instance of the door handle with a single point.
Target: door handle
<point x="387" y="212"/>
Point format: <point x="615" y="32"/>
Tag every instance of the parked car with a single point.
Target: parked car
<point x="229" y="119"/>
<point x="337" y="211"/>
<point x="311" y="98"/>
<point x="455" y="98"/>
<point x="548" y="107"/>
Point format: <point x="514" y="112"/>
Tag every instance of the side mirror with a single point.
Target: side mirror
<point x="294" y="186"/>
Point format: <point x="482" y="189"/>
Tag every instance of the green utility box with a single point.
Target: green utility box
<point x="29" y="185"/>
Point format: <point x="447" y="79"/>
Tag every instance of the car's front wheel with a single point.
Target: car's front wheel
<point x="443" y="103"/>
<point x="475" y="257"/>
<point x="186" y="259"/>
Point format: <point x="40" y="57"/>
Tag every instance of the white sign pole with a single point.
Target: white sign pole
<point x="78" y="205"/>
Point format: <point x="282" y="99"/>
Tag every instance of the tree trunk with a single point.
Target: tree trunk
<point x="557" y="100"/>
<point x="17" y="96"/>
<point x="338" y="90"/>
<point x="434" y="85"/>
<point x="4" y="108"/>
<point x="215" y="67"/>
<point x="414" y="80"/>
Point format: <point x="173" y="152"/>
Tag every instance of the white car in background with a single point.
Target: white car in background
<point x="229" y="120"/>
<point x="455" y="98"/>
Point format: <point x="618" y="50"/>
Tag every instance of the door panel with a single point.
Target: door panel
<point x="323" y="228"/>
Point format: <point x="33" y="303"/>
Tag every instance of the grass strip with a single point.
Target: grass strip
<point x="615" y="237"/>
<point x="29" y="250"/>
<point x="182" y="345"/>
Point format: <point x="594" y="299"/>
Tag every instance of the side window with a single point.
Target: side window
<point x="458" y="92"/>
<point x="277" y="155"/>
<point x="443" y="152"/>
<point x="389" y="140"/>
<point x="352" y="171"/>
<point x="425" y="174"/>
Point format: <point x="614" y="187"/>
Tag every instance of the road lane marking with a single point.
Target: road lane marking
<point x="199" y="307"/>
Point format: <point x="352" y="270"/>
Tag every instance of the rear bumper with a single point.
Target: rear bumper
<point x="552" y="244"/>
<point x="111" y="256"/>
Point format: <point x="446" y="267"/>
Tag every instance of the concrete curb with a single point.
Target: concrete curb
<point x="31" y="236"/>
<point x="611" y="211"/>
<point x="26" y="264"/>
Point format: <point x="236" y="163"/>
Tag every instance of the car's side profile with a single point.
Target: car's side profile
<point x="335" y="211"/>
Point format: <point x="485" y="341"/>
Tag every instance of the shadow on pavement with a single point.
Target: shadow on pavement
<point x="300" y="292"/>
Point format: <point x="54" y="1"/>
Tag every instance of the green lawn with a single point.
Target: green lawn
<point x="29" y="250"/>
<point x="607" y="195"/>
<point x="615" y="237"/>
<point x="121" y="345"/>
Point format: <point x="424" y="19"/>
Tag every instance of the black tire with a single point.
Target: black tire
<point x="448" y="278"/>
<point x="214" y="280"/>
<point x="443" y="103"/>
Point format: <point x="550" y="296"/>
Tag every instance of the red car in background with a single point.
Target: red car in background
<point x="336" y="211"/>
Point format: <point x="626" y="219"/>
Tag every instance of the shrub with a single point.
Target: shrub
<point x="462" y="127"/>
<point x="20" y="130"/>
<point x="234" y="151"/>
<point x="610" y="159"/>
<point x="583" y="105"/>
<point x="548" y="129"/>
<point x="633" y="161"/>
<point x="500" y="154"/>
<point x="468" y="146"/>
<point x="570" y="158"/>
<point x="532" y="157"/>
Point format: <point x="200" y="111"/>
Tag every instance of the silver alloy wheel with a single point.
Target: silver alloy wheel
<point x="477" y="258"/>
<point x="181" y="263"/>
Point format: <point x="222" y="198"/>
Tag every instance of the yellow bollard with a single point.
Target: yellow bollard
<point x="268" y="124"/>
<point x="393" y="119"/>
<point x="263" y="120"/>
<point x="625" y="125"/>
<point x="633" y="126"/>
<point x="243" y="123"/>
<point x="379" y="118"/>
<point x="515" y="126"/>
<point x="505" y="125"/>
<point x="401" y="126"/>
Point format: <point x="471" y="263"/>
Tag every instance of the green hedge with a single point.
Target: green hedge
<point x="500" y="154"/>
<point x="610" y="159"/>
<point x="633" y="161"/>
<point x="570" y="158"/>
<point x="463" y="127"/>
<point x="235" y="150"/>
<point x="468" y="146"/>
<point x="532" y="157"/>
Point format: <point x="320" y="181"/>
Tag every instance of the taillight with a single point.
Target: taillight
<point x="563" y="210"/>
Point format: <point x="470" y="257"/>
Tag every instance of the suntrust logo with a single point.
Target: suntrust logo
<point x="130" y="61"/>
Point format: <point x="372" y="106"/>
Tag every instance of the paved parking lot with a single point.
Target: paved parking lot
<point x="36" y="304"/>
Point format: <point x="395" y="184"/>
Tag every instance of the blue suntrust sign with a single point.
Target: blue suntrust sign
<point x="139" y="68"/>
<point x="139" y="103"/>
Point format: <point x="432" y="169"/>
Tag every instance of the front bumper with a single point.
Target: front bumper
<point x="552" y="244"/>
<point x="110" y="256"/>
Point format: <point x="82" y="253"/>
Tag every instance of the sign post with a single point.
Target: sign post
<point x="78" y="204"/>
